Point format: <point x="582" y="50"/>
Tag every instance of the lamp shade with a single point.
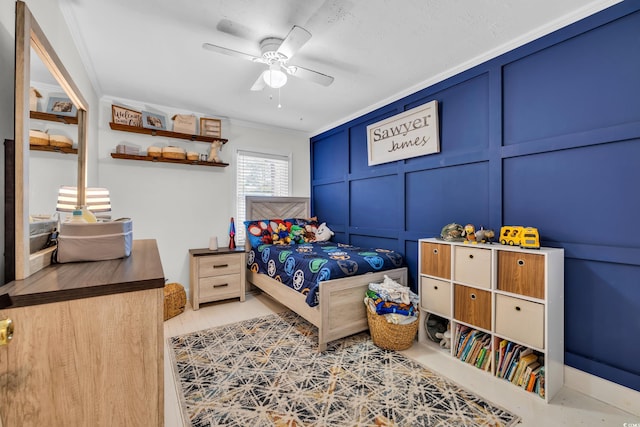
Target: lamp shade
<point x="274" y="77"/>
<point x="97" y="199"/>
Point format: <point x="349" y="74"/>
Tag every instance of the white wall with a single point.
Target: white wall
<point x="181" y="206"/>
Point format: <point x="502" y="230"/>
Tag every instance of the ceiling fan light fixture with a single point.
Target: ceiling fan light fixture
<point x="274" y="77"/>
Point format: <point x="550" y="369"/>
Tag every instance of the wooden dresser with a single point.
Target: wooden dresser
<point x="87" y="349"/>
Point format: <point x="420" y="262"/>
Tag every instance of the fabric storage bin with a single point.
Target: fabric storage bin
<point x="97" y="241"/>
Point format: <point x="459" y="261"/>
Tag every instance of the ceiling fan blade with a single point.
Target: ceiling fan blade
<point x="230" y="52"/>
<point x="296" y="38"/>
<point x="259" y="84"/>
<point x="310" y="75"/>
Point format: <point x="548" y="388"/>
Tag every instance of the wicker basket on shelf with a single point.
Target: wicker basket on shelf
<point x="175" y="299"/>
<point x="390" y="336"/>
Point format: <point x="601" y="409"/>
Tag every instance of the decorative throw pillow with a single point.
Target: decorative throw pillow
<point x="258" y="232"/>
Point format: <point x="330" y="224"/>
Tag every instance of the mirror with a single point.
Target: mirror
<point x="30" y="36"/>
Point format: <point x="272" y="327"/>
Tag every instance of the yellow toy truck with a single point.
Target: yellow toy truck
<point x="515" y="235"/>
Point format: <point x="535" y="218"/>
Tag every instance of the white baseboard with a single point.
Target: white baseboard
<point x="609" y="392"/>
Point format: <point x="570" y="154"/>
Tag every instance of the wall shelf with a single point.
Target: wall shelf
<point x="165" y="133"/>
<point x="40" y="115"/>
<point x="53" y="149"/>
<point x="164" y="160"/>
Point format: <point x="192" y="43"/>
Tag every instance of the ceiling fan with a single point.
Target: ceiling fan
<point x="276" y="53"/>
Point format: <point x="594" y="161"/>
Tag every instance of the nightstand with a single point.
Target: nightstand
<point x="216" y="275"/>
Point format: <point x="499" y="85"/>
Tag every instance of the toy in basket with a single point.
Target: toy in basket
<point x="392" y="314"/>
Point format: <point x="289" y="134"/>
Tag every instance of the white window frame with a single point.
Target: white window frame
<point x="240" y="204"/>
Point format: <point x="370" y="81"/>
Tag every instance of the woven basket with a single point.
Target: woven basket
<point x="175" y="299"/>
<point x="390" y="336"/>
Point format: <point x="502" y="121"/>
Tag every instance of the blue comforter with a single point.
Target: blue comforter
<point x="302" y="267"/>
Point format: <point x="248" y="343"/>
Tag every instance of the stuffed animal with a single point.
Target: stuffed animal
<point x="216" y="146"/>
<point x="323" y="233"/>
<point x="296" y="235"/>
<point x="485" y="236"/>
<point x="445" y="339"/>
<point x="280" y="235"/>
<point x="469" y="234"/>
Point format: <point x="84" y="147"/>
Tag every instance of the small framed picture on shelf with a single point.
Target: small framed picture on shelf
<point x="126" y="116"/>
<point x="211" y="127"/>
<point x="153" y="121"/>
<point x="61" y="106"/>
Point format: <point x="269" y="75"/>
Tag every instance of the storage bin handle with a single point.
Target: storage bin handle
<point x="472" y="296"/>
<point x="435" y="251"/>
<point x="521" y="262"/>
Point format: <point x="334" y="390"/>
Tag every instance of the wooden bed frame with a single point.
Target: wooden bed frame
<point x="341" y="311"/>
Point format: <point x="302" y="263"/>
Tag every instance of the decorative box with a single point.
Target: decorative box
<point x="184" y="123"/>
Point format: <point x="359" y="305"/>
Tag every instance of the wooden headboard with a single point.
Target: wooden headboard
<point x="264" y="207"/>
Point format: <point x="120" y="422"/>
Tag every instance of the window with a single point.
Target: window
<point x="259" y="174"/>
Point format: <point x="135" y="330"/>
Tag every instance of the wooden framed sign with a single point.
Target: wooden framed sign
<point x="126" y="116"/>
<point x="409" y="134"/>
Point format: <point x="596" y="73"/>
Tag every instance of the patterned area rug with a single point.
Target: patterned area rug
<point x="266" y="372"/>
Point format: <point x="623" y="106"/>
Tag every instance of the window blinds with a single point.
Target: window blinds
<point x="259" y="174"/>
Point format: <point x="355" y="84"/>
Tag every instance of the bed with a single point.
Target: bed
<point x="340" y="310"/>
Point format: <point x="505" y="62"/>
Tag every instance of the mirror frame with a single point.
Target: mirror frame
<point x="29" y="35"/>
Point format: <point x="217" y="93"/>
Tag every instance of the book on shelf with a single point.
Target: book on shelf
<point x="533" y="378"/>
<point x="500" y="354"/>
<point x="526" y="357"/>
<point x="526" y="376"/>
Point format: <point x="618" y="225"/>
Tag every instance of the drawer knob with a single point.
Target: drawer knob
<point x="470" y="256"/>
<point x="435" y="251"/>
<point x="520" y="262"/>
<point x="221" y="266"/>
<point x="517" y="308"/>
<point x="435" y="287"/>
<point x="472" y="296"/>
<point x="222" y="285"/>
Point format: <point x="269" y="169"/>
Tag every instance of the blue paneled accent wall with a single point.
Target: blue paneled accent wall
<point x="547" y="135"/>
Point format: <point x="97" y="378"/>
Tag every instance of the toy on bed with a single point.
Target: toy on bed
<point x="296" y="234"/>
<point x="280" y="234"/>
<point x="323" y="233"/>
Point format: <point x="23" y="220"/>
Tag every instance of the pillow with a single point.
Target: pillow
<point x="258" y="232"/>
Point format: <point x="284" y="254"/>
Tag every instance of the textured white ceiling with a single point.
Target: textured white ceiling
<point x="377" y="50"/>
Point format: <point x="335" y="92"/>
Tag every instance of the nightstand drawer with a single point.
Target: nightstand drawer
<point x="435" y="295"/>
<point x="218" y="265"/>
<point x="520" y="320"/>
<point x="472" y="266"/>
<point x="218" y="287"/>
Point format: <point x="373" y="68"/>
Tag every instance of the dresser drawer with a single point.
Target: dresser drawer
<point x="218" y="265"/>
<point x="472" y="306"/>
<point x="219" y="287"/>
<point x="521" y="273"/>
<point x="435" y="259"/>
<point x="472" y="266"/>
<point x="435" y="295"/>
<point x="520" y="320"/>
